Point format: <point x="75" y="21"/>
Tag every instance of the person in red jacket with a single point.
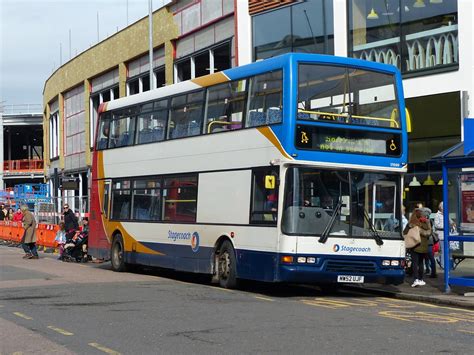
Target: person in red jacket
<point x="17" y="216"/>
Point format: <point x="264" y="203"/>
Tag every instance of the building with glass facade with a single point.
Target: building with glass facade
<point x="429" y="41"/>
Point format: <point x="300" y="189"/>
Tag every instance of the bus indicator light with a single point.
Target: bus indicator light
<point x="287" y="259"/>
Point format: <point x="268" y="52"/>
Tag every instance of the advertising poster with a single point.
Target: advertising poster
<point x="467" y="202"/>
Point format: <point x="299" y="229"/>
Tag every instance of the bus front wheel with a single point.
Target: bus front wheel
<point x="226" y="266"/>
<point x="117" y="256"/>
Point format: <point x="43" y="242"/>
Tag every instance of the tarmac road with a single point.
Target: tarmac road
<point x="47" y="306"/>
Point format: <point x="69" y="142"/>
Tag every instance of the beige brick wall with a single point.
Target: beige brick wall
<point x="111" y="53"/>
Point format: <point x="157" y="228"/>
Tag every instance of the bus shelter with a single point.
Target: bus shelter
<point x="458" y="199"/>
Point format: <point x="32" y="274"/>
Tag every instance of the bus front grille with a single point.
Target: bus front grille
<point x="351" y="266"/>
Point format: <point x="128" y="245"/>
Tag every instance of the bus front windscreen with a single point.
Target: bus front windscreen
<point x="347" y="95"/>
<point x="329" y="203"/>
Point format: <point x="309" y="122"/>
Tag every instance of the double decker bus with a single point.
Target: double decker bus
<point x="285" y="170"/>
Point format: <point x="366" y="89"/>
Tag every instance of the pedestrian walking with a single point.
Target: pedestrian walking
<point x="70" y="219"/>
<point x="28" y="242"/>
<point x="419" y="252"/>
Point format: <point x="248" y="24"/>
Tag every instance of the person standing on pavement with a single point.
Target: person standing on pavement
<point x="419" y="253"/>
<point x="439" y="227"/>
<point x="61" y="239"/>
<point x="18" y="216"/>
<point x="28" y="242"/>
<point x="70" y="219"/>
<point x="10" y="214"/>
<point x="2" y="215"/>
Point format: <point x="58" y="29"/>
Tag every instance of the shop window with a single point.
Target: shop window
<point x="412" y="35"/>
<point x="264" y="208"/>
<point x="303" y="27"/>
<point x="225" y="106"/>
<point x="180" y="199"/>
<point x="265" y="99"/>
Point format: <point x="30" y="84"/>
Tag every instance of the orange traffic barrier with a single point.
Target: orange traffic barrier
<point x="13" y="231"/>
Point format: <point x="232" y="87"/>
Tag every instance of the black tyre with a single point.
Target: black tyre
<point x="226" y="266"/>
<point x="117" y="254"/>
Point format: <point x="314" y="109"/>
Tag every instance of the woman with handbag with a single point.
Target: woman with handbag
<point x="419" y="224"/>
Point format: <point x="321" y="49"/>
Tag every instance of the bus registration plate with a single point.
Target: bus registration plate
<point x="350" y="279"/>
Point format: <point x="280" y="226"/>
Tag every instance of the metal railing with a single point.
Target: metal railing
<point x="23" y="166"/>
<point x="51" y="211"/>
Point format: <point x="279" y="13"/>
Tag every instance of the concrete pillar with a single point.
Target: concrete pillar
<point x="466" y="58"/>
<point x="340" y="27"/>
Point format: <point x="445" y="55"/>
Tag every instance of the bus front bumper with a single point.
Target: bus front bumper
<point x="328" y="271"/>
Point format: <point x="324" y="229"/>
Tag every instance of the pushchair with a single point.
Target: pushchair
<point x="75" y="248"/>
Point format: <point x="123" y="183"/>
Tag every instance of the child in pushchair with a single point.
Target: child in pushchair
<point x="75" y="248"/>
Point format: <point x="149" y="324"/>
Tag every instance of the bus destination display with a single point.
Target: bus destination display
<point x="347" y="140"/>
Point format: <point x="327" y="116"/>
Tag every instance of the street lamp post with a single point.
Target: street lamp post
<point x="150" y="41"/>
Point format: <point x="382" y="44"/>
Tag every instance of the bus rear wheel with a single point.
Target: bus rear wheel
<point x="117" y="254"/>
<point x="226" y="266"/>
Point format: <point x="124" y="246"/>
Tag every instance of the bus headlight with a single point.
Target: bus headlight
<point x="311" y="260"/>
<point x="389" y="262"/>
<point x="301" y="259"/>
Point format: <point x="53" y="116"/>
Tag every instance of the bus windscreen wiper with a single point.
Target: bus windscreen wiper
<point x="327" y="230"/>
<point x="376" y="235"/>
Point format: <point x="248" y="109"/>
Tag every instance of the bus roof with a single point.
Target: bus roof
<point x="236" y="73"/>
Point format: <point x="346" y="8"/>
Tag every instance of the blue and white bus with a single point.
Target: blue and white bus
<point x="284" y="170"/>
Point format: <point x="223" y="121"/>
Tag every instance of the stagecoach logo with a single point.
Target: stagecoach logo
<point x="194" y="238"/>
<point x="195" y="242"/>
<point x="337" y="247"/>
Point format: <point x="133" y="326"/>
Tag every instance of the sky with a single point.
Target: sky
<point x="32" y="32"/>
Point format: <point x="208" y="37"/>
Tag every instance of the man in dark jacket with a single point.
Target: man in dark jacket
<point x="70" y="219"/>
